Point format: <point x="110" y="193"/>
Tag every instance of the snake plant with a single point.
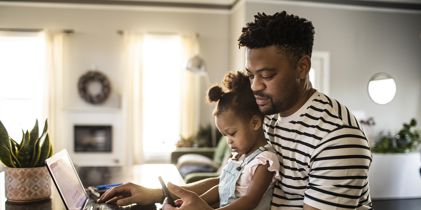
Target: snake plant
<point x="32" y="150"/>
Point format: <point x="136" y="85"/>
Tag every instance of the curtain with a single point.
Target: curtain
<point x="132" y="94"/>
<point x="55" y="46"/>
<point x="192" y="93"/>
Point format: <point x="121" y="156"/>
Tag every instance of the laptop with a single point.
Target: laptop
<point x="69" y="186"/>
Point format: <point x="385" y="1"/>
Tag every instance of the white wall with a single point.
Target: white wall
<point x="361" y="42"/>
<point x="96" y="43"/>
<point x="237" y="22"/>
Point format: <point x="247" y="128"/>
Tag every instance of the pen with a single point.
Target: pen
<point x="107" y="186"/>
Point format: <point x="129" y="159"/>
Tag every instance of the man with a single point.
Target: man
<point x="324" y="154"/>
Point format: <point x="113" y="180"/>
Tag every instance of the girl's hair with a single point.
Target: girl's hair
<point x="234" y="94"/>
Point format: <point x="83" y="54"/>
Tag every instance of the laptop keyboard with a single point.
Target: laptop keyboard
<point x="92" y="205"/>
<point x="100" y="206"/>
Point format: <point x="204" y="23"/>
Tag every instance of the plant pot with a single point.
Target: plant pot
<point x="395" y="176"/>
<point x="25" y="185"/>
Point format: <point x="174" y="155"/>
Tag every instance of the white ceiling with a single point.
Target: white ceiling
<point x="216" y="2"/>
<point x="228" y="4"/>
<point x="231" y="2"/>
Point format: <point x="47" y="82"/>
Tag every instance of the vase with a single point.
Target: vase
<point x="26" y="185"/>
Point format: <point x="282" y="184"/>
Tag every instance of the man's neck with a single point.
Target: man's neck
<point x="300" y="102"/>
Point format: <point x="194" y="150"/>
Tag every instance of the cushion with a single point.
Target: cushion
<point x="192" y="163"/>
<point x="194" y="159"/>
<point x="221" y="150"/>
<point x="201" y="168"/>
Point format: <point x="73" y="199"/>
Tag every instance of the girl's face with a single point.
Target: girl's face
<point x="241" y="134"/>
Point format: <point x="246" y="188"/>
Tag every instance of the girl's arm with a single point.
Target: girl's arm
<point x="202" y="186"/>
<point x="258" y="186"/>
<point x="211" y="196"/>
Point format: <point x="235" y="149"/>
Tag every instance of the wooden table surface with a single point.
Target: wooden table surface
<point x="146" y="175"/>
<point x="143" y="174"/>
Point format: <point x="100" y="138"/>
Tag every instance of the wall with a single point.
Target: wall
<point x="237" y="22"/>
<point x="361" y="42"/>
<point x="95" y="43"/>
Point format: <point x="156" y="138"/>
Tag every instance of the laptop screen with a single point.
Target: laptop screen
<point x="67" y="180"/>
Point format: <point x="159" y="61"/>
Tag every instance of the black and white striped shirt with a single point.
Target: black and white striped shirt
<point x="324" y="157"/>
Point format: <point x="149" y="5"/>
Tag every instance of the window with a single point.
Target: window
<point x="161" y="90"/>
<point x="22" y="81"/>
<point x="319" y="72"/>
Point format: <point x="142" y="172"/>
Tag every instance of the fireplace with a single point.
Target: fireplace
<point x="92" y="138"/>
<point x="95" y="138"/>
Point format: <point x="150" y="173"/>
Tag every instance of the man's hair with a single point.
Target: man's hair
<point x="288" y="32"/>
<point x="234" y="94"/>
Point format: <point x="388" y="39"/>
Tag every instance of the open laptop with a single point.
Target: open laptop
<point x="70" y="187"/>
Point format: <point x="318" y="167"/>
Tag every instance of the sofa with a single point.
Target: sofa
<point x="195" y="164"/>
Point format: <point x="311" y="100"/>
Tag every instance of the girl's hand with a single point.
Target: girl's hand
<point x="188" y="200"/>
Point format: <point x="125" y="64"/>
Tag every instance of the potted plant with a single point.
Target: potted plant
<point x="26" y="177"/>
<point x="395" y="170"/>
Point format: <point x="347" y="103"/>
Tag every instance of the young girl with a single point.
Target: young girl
<point x="247" y="180"/>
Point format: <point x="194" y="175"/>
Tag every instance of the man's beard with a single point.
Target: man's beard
<point x="269" y="108"/>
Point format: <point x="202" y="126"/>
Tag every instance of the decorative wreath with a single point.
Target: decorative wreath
<point x="86" y="93"/>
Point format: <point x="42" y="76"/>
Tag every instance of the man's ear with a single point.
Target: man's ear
<point x="303" y="66"/>
<point x="256" y="122"/>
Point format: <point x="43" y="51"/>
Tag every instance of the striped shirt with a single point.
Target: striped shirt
<point x="324" y="157"/>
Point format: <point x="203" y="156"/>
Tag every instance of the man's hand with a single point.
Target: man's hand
<point x="129" y="194"/>
<point x="188" y="200"/>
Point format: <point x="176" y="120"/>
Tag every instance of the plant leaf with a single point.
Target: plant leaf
<point x="34" y="133"/>
<point x="24" y="155"/>
<point x="33" y="138"/>
<point x="45" y="128"/>
<point x="6" y="157"/>
<point x="36" y="151"/>
<point x="45" y="151"/>
<point x="4" y="136"/>
<point x="14" y="152"/>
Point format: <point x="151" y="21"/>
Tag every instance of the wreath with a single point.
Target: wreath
<point x="86" y="83"/>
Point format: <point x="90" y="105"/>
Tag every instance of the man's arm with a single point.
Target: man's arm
<point x="339" y="171"/>
<point x="131" y="193"/>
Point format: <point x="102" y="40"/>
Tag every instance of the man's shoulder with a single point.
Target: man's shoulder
<point x="320" y="112"/>
<point x="332" y="110"/>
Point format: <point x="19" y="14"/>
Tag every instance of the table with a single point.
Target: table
<point x="397" y="204"/>
<point x="144" y="174"/>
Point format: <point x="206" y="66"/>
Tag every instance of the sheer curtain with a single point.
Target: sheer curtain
<point x="162" y="68"/>
<point x="191" y="91"/>
<point x="55" y="48"/>
<point x="22" y="81"/>
<point x="132" y="93"/>
<point x="29" y="84"/>
<point x="159" y="107"/>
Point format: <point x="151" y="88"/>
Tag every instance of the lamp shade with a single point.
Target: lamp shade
<point x="196" y="64"/>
